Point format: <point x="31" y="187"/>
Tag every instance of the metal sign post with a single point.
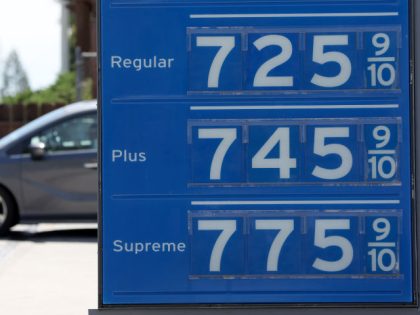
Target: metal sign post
<point x="257" y="156"/>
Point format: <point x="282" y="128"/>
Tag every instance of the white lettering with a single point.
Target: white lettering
<point x="181" y="247"/>
<point x="116" y="61"/>
<point x="139" y="64"/>
<point x="127" y="156"/>
<point x="139" y="248"/>
<point x="127" y="63"/>
<point x="156" y="247"/>
<point x="142" y="157"/>
<point x="116" y="154"/>
<point x="168" y="247"/>
<point x="148" y="247"/>
<point x="117" y="246"/>
<point x="162" y="63"/>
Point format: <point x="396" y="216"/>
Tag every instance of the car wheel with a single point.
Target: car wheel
<point x="8" y="211"/>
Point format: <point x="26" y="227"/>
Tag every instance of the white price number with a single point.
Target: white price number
<point x="228" y="136"/>
<point x="383" y="259"/>
<point x="383" y="135"/>
<point x="383" y="72"/>
<point x="322" y="57"/>
<point x="226" y="44"/>
<point x="324" y="241"/>
<point x="322" y="149"/>
<point x="227" y="228"/>
<point x="382" y="42"/>
<point x="285" y="228"/>
<point x="378" y="257"/>
<point x="284" y="162"/>
<point x="262" y="78"/>
<point x="383" y="166"/>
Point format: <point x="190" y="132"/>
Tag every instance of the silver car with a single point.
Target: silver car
<point x="48" y="168"/>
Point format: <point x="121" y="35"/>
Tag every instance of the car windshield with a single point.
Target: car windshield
<point x="29" y="127"/>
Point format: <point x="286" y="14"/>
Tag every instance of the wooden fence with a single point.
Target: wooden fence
<point x="14" y="116"/>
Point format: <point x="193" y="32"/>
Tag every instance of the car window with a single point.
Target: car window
<point x="73" y="134"/>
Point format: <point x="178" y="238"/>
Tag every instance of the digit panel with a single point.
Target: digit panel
<point x="276" y="60"/>
<point x="294" y="244"/>
<point x="254" y="152"/>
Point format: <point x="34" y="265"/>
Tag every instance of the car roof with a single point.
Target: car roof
<point x="44" y="120"/>
<point x="79" y="107"/>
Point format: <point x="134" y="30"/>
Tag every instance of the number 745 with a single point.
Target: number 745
<point x="284" y="162"/>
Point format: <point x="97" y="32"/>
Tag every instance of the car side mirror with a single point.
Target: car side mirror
<point x="37" y="151"/>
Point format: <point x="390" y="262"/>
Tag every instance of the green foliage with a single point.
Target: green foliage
<point x="63" y="91"/>
<point x="14" y="78"/>
<point x="87" y="87"/>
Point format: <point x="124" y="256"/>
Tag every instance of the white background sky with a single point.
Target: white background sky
<point x="32" y="28"/>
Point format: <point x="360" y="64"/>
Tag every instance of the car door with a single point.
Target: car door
<point x="63" y="182"/>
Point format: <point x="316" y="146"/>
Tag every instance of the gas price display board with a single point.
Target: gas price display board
<point x="256" y="152"/>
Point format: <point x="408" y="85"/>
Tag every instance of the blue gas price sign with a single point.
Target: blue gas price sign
<point x="255" y="152"/>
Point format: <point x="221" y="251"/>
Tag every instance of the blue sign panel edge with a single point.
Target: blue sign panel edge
<point x="100" y="228"/>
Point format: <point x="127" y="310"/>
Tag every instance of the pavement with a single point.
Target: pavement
<point x="48" y="269"/>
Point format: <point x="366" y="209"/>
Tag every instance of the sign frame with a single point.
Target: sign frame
<point x="288" y="308"/>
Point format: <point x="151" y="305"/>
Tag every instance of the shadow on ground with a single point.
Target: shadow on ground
<point x="88" y="235"/>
